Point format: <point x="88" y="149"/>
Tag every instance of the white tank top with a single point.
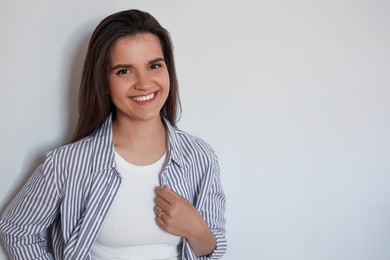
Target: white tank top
<point x="129" y="231"/>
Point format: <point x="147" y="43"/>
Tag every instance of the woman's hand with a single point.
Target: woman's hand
<point x="179" y="217"/>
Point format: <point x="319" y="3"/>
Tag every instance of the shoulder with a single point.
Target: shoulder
<point x="194" y="143"/>
<point x="79" y="150"/>
<point x="71" y="150"/>
<point x="188" y="143"/>
<point x="192" y="149"/>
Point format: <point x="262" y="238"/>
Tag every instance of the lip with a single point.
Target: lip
<point x="144" y="95"/>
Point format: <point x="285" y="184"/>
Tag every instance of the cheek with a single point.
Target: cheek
<point x="116" y="93"/>
<point x="168" y="85"/>
<point x="167" y="82"/>
<point x="110" y="86"/>
<point x="116" y="86"/>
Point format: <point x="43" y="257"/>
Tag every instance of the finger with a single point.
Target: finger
<point x="167" y="194"/>
<point x="171" y="192"/>
<point x="162" y="203"/>
<point x="160" y="214"/>
<point x="161" y="193"/>
<point x="160" y="222"/>
<point x="157" y="210"/>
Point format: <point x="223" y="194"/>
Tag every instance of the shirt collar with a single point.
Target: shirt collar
<point x="175" y="150"/>
<point x="104" y="156"/>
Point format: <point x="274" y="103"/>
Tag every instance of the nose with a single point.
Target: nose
<point x="143" y="81"/>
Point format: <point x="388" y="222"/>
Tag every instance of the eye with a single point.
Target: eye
<point x="156" y="66"/>
<point x="122" y="72"/>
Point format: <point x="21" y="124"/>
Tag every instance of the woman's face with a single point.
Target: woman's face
<point x="138" y="78"/>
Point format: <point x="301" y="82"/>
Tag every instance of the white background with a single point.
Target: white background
<point x="294" y="96"/>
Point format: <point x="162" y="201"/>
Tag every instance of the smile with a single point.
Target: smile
<point x="143" y="98"/>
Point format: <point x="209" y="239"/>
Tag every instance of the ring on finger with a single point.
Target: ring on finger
<point x="161" y="212"/>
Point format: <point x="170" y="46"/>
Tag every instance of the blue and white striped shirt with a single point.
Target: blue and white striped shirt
<point x="75" y="186"/>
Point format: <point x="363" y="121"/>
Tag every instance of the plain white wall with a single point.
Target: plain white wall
<point x="293" y="95"/>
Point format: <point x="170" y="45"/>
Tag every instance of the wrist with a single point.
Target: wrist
<point x="202" y="241"/>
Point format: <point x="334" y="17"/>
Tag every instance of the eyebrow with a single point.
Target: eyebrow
<point x="121" y="66"/>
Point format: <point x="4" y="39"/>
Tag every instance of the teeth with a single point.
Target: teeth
<point x="143" y="98"/>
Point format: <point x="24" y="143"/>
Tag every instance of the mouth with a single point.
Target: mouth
<point x="144" y="98"/>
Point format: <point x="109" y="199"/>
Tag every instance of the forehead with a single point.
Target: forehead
<point x="136" y="48"/>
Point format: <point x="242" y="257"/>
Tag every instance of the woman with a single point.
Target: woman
<point x="130" y="185"/>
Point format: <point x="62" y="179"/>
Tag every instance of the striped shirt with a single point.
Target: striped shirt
<point x="75" y="186"/>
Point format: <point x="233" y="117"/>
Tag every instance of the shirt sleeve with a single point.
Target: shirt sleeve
<point x="32" y="211"/>
<point x="213" y="212"/>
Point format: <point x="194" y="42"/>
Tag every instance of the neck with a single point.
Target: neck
<point x="139" y="142"/>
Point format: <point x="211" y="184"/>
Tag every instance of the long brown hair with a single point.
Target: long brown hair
<point x="94" y="103"/>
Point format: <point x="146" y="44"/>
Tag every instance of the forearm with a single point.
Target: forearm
<point x="29" y="213"/>
<point x="26" y="248"/>
<point x="203" y="241"/>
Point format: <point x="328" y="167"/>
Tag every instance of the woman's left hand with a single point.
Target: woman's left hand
<point x="179" y="217"/>
<point x="176" y="215"/>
